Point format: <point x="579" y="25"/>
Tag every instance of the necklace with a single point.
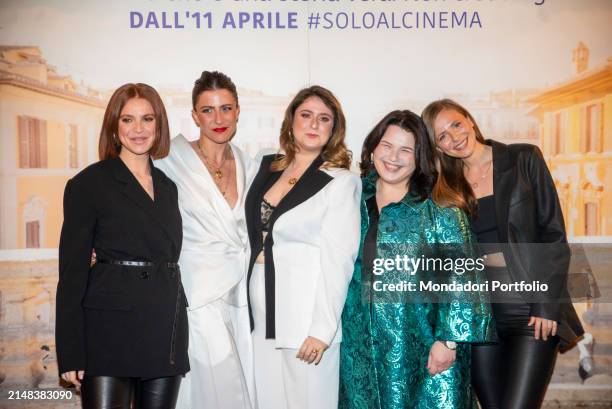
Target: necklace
<point x="223" y="189"/>
<point x="298" y="171"/>
<point x="294" y="179"/>
<point x="482" y="177"/>
<point x="217" y="169"/>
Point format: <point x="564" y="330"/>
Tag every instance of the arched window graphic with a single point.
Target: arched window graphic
<point x="34" y="217"/>
<point x="73" y="146"/>
<point x="591" y="124"/>
<point x="32" y="134"/>
<point x="33" y="234"/>
<point x="591" y="208"/>
<point x="591" y="219"/>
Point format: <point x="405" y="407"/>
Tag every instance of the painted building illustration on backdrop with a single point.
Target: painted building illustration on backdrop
<point x="575" y="121"/>
<point x="576" y="140"/>
<point x="503" y="115"/>
<point x="49" y="126"/>
<point x="49" y="131"/>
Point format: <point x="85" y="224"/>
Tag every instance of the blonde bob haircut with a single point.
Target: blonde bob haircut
<point x="335" y="153"/>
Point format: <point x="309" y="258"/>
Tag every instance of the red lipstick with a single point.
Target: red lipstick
<point x="220" y="130"/>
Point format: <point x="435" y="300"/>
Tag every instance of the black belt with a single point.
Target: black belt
<point x="168" y="264"/>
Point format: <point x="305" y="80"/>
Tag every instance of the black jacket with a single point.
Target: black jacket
<point x="111" y="319"/>
<point x="528" y="211"/>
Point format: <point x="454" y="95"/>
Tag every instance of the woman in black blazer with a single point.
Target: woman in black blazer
<point x="121" y="328"/>
<point x="510" y="196"/>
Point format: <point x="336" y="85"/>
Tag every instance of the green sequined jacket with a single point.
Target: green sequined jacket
<point x="387" y="335"/>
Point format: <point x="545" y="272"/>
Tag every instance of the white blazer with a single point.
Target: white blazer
<point x="310" y="251"/>
<point x="214" y="256"/>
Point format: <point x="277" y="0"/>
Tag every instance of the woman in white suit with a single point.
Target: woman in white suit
<point x="303" y="217"/>
<point x="212" y="176"/>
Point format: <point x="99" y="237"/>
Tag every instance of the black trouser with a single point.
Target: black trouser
<point x="109" y="392"/>
<point x="514" y="373"/>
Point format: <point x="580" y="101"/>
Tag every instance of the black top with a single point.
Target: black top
<point x="484" y="225"/>
<point x="370" y="240"/>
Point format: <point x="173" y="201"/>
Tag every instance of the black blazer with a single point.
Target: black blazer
<point x="116" y="320"/>
<point x="528" y="211"/>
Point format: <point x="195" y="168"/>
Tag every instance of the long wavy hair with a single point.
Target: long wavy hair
<point x="452" y="188"/>
<point x="335" y="153"/>
<point x="424" y="175"/>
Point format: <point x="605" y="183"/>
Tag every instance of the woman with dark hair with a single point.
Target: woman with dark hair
<point x="511" y="199"/>
<point x="212" y="176"/>
<point x="403" y="348"/>
<point x="121" y="323"/>
<point x="303" y="222"/>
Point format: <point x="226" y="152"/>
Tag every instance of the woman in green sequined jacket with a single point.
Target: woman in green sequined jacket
<point x="404" y="346"/>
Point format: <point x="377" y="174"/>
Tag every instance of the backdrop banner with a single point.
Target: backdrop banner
<point x="530" y="71"/>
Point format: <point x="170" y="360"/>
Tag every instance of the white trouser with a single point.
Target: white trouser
<point x="281" y="380"/>
<point x="217" y="379"/>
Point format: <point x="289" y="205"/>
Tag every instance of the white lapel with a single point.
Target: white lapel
<point x="204" y="199"/>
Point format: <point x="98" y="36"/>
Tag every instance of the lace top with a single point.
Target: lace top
<point x="266" y="212"/>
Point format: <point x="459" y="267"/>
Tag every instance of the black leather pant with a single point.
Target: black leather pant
<point x="109" y="392"/>
<point x="514" y="373"/>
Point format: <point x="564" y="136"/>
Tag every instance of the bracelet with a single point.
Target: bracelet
<point x="452" y="345"/>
